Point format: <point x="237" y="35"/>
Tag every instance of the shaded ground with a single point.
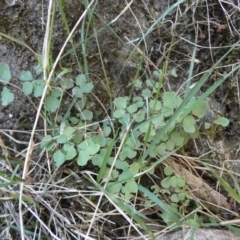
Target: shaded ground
<point x="211" y="28"/>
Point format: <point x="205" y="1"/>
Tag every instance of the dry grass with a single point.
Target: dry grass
<point x="41" y="201"/>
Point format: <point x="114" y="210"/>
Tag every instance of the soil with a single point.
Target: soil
<point x="185" y="27"/>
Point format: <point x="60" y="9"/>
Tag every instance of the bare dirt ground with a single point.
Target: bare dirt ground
<point x="212" y="26"/>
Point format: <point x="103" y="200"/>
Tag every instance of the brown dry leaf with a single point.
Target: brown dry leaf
<point x="200" y="189"/>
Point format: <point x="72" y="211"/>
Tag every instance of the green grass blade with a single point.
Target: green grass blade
<point x="60" y="6"/>
<point x="175" y="216"/>
<point x="234" y="229"/>
<point x="25" y="199"/>
<point x="6" y="184"/>
<point x="133" y="213"/>
<point x="105" y="161"/>
<point x="11" y="178"/>
<point x="136" y="215"/>
<point x="12" y="160"/>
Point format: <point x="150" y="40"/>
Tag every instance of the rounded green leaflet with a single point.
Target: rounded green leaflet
<point x="200" y="110"/>
<point x="59" y="158"/>
<point x="46" y="139"/>
<point x="167" y="111"/>
<point x="114" y="187"/>
<point x="222" y="121"/>
<point x="157" y="86"/>
<point x="81" y="80"/>
<point x="67" y="83"/>
<point x="138" y="101"/>
<point x="121" y="102"/>
<point x="27" y="88"/>
<point x="158" y="73"/>
<point x="106" y="131"/>
<point x="178" y="101"/>
<point x="97" y="160"/>
<point x="152" y="154"/>
<point x="174" y="198"/>
<point x="99" y="139"/>
<point x="38" y="68"/>
<point x="150" y="83"/>
<point x="138" y="84"/>
<point x="177" y="138"/>
<point x="189" y="124"/>
<point x="77" y="92"/>
<point x="89" y="146"/>
<point x="170" y="145"/>
<point x="169" y="100"/>
<point x="174" y="72"/>
<point x="38" y="87"/>
<point x="146" y="93"/>
<point x="165" y="137"/>
<point x="123" y="154"/>
<point x="192" y="223"/>
<point x="68" y="131"/>
<point x="130" y="153"/>
<point x="82" y="158"/>
<point x="207" y="125"/>
<point x="168" y="171"/>
<point x="110" y="160"/>
<point x="74" y="120"/>
<point x="158" y="121"/>
<point x="86" y="115"/>
<point x="61" y="139"/>
<point x="181" y="196"/>
<point x="125" y="119"/>
<point x="118" y="113"/>
<point x="26" y="76"/>
<point x="70" y="151"/>
<point x="131" y="142"/>
<point x="155" y="105"/>
<point x="145" y="127"/>
<point x="93" y="149"/>
<point x="5" y="73"/>
<point x="131" y="186"/>
<point x="174" y="181"/>
<point x="56" y="92"/>
<point x="125" y="175"/>
<point x="77" y="139"/>
<point x="123" y="165"/>
<point x="114" y="174"/>
<point x="80" y="104"/>
<point x="148" y="204"/>
<point x="87" y="88"/>
<point x="155" y="188"/>
<point x="186" y="203"/>
<point x="165" y="183"/>
<point x="59" y="118"/>
<point x="127" y="195"/>
<point x="135" y="167"/>
<point x="195" y="134"/>
<point x="7" y="96"/>
<point x="52" y="103"/>
<point x="47" y="142"/>
<point x="139" y="117"/>
<point x="132" y="108"/>
<point x="161" y="149"/>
